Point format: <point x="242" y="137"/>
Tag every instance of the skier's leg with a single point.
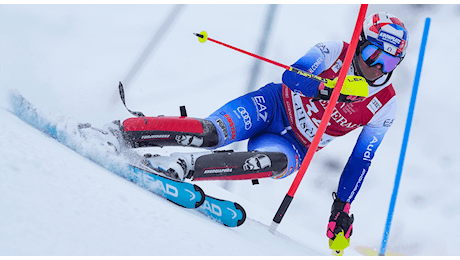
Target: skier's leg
<point x="232" y="122"/>
<point x="278" y="143"/>
<point x="169" y="131"/>
<point x="221" y="165"/>
<point x="249" y="115"/>
<point x="237" y="120"/>
<point x="269" y="155"/>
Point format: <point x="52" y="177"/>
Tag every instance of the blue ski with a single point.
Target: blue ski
<point x="228" y="213"/>
<point x="184" y="194"/>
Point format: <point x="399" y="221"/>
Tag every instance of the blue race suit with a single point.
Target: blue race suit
<point x="284" y="117"/>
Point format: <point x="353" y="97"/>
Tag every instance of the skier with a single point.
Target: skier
<point x="283" y="119"/>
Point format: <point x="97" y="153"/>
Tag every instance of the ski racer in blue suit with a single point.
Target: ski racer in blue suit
<point x="284" y="117"/>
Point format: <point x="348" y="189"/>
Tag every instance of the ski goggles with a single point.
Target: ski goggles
<point x="374" y="55"/>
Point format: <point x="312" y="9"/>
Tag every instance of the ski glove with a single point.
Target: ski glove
<point x="324" y="93"/>
<point x="354" y="89"/>
<point x="340" y="220"/>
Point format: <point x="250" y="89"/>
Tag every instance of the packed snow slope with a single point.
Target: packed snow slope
<point x="60" y="203"/>
<point x="68" y="59"/>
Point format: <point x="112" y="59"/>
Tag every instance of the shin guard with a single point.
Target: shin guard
<point x="250" y="165"/>
<point x="169" y="131"/>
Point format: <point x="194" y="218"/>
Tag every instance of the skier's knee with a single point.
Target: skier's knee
<point x="276" y="143"/>
<point x="288" y="170"/>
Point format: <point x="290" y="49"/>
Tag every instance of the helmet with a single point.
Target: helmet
<point x="385" y="36"/>
<point x="387" y="32"/>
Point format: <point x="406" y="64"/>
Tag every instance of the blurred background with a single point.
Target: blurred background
<point x="70" y="58"/>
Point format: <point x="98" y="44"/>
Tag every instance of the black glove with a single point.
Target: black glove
<point x="339" y="219"/>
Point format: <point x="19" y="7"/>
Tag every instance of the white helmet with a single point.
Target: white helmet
<point x="383" y="40"/>
<point x="387" y="32"/>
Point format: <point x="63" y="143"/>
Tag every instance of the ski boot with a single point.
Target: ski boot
<point x="177" y="166"/>
<point x="220" y="165"/>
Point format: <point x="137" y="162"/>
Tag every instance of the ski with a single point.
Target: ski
<point x="129" y="165"/>
<point x="230" y="214"/>
<point x="226" y="212"/>
<point x="184" y="194"/>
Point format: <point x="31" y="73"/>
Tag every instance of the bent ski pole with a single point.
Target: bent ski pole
<point x="203" y="37"/>
<point x="363" y="92"/>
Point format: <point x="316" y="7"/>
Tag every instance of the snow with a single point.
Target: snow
<point x="68" y="59"/>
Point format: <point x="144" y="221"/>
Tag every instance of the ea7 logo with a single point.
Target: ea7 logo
<point x="388" y="122"/>
<point x="259" y="102"/>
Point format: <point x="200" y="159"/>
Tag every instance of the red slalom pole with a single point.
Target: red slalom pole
<point x="324" y="121"/>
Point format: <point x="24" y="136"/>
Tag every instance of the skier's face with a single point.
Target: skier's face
<point x="371" y="73"/>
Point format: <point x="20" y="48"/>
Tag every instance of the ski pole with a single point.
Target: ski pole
<point x="324" y="121"/>
<point x="354" y="90"/>
<point x="203" y="37"/>
<point x="406" y="137"/>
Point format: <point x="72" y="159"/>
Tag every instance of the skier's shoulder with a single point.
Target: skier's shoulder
<point x="331" y="51"/>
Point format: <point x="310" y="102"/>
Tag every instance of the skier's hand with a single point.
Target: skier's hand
<point x="340" y="220"/>
<point x="354" y="89"/>
<point x="340" y="226"/>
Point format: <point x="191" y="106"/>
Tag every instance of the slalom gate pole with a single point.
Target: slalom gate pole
<point x="203" y="37"/>
<point x="405" y="138"/>
<point x="324" y="121"/>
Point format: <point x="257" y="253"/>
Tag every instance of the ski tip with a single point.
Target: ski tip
<point x="203" y="196"/>
<point x="202" y="36"/>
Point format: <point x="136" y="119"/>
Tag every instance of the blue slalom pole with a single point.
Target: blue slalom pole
<point x="406" y="138"/>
